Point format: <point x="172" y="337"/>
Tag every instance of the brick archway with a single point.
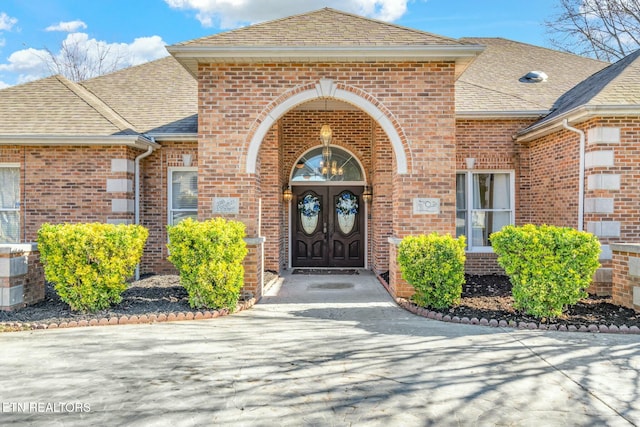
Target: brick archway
<point x="327" y="88"/>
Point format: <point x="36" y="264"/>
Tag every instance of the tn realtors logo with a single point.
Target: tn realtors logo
<point x="44" y="407"/>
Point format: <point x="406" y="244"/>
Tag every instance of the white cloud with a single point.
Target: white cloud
<point x="28" y="64"/>
<point x="31" y="64"/>
<point x="67" y="27"/>
<point x="3" y="84"/>
<point x="233" y="13"/>
<point x="7" y="22"/>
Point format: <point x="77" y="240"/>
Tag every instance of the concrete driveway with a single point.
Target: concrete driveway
<point x="318" y="351"/>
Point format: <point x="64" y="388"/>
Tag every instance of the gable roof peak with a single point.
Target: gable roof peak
<point x="324" y="35"/>
<point x="322" y="27"/>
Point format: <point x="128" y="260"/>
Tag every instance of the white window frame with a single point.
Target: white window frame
<point x="469" y="202"/>
<point x="170" y="209"/>
<point x="15" y="209"/>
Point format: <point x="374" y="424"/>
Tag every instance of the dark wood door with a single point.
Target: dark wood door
<point x="328" y="226"/>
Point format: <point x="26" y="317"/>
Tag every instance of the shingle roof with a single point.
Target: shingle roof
<point x="161" y="96"/>
<point x="57" y="106"/>
<point x="494" y="81"/>
<point x="616" y="85"/>
<point x="158" y="96"/>
<point x="324" y="27"/>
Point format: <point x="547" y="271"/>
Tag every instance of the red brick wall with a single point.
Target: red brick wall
<point x="626" y="201"/>
<point x="491" y="143"/>
<point x="33" y="285"/>
<point x="153" y="204"/>
<point x="553" y="177"/>
<point x="274" y="214"/>
<point x="623" y="282"/>
<point x="482" y="263"/>
<point x="34" y="279"/>
<point x="418" y="99"/>
<point x="381" y="225"/>
<point x="65" y="184"/>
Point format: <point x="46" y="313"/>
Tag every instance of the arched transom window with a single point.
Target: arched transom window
<point x="313" y="166"/>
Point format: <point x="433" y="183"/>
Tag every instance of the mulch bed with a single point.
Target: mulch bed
<point x="155" y="298"/>
<point x="489" y="297"/>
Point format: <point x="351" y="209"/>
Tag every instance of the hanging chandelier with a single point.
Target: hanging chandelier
<point x="326" y="134"/>
<point x="328" y="167"/>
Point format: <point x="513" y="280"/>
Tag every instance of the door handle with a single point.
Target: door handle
<point x="324" y="228"/>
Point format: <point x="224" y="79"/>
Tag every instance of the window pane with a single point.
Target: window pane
<point x="176" y="217"/>
<point x="9" y="227"/>
<point x="491" y="191"/>
<point x="9" y="188"/>
<point x="184" y="191"/>
<point x="310" y="167"/>
<point x="497" y="220"/>
<point x="461" y="191"/>
<point x="461" y="223"/>
<point x="486" y="223"/>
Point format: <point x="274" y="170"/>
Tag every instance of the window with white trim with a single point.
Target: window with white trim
<point x="9" y="203"/>
<point x="484" y="204"/>
<point x="183" y="194"/>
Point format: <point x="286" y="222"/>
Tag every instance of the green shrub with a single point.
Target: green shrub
<point x="434" y="266"/>
<point x="90" y="263"/>
<point x="549" y="267"/>
<point x="208" y="256"/>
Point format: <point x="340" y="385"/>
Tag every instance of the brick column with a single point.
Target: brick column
<point x="225" y="189"/>
<point x="424" y="198"/>
<point x="21" y="276"/>
<point x="626" y="275"/>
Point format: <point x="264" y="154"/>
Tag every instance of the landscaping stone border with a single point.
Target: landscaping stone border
<point x="128" y="320"/>
<point x="429" y="314"/>
<point x="245" y="305"/>
<point x="425" y="312"/>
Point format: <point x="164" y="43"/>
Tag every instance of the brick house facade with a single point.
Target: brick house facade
<point x="448" y="136"/>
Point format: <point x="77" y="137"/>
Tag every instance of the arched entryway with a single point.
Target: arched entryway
<point x="328" y="214"/>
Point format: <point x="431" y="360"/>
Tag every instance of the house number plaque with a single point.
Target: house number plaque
<point x="426" y="206"/>
<point x="226" y="205"/>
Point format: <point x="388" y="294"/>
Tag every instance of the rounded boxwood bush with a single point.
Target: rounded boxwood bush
<point x="209" y="256"/>
<point x="434" y="266"/>
<point x="89" y="264"/>
<point x="549" y="267"/>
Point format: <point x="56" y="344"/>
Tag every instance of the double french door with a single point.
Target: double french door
<point x="328" y="226"/>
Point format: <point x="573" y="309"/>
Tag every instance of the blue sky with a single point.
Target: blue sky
<point x="138" y="30"/>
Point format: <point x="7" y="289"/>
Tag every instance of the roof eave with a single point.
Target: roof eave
<point x="497" y="114"/>
<point x="190" y="56"/>
<point x="576" y="115"/>
<point x="135" y="141"/>
<point x="174" y="137"/>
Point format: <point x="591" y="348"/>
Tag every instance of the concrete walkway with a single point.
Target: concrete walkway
<point x="318" y="351"/>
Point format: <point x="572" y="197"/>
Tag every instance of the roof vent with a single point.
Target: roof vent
<point x="535" y="77"/>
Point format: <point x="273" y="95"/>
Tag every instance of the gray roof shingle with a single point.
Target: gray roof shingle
<point x="324" y="27"/>
<point x="494" y="81"/>
<point x="616" y="85"/>
<point x="162" y="96"/>
<point x="57" y="106"/>
<point x="156" y="97"/>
